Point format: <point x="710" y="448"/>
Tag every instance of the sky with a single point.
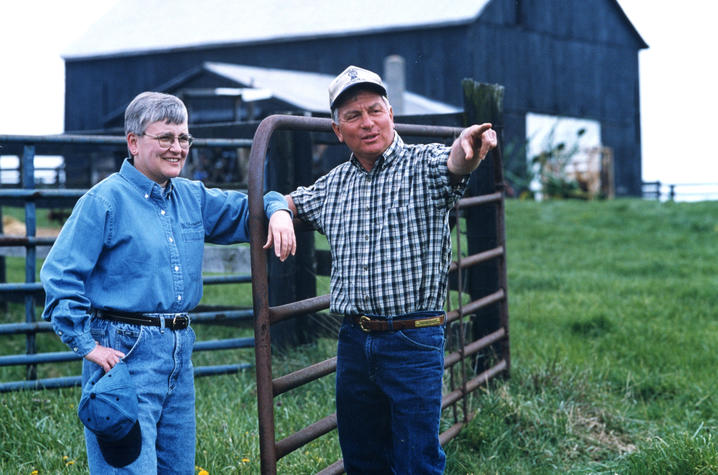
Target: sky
<point x="678" y="82"/>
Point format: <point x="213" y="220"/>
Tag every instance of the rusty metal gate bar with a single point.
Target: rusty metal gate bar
<point x="268" y="387"/>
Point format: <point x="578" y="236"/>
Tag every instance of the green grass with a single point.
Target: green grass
<point x="613" y="338"/>
<point x="42" y="215"/>
<point x="613" y="344"/>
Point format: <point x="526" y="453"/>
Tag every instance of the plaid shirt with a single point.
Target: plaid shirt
<point x="388" y="229"/>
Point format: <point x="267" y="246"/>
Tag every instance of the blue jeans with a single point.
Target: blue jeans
<point x="389" y="400"/>
<point x="160" y="363"/>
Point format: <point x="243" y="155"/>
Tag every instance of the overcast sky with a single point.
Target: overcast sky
<point x="678" y="77"/>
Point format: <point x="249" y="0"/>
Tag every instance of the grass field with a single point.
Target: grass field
<point x="613" y="341"/>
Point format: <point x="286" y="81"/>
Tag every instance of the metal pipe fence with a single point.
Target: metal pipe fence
<point x="461" y="385"/>
<point x="679" y="191"/>
<point x="462" y="380"/>
<point x="28" y="197"/>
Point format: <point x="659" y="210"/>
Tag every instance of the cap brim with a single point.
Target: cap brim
<point x="361" y="85"/>
<point x="120" y="453"/>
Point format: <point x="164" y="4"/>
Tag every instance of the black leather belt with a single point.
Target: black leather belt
<point x="173" y="321"/>
<point x="369" y="324"/>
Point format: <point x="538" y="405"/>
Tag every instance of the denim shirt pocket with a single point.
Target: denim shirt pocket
<point x="193" y="231"/>
<point x="192" y="248"/>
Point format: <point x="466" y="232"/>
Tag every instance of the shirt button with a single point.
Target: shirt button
<point x="162" y="212"/>
<point x="146" y="196"/>
<point x="179" y="297"/>
<point x="59" y="332"/>
<point x="365" y="268"/>
<point x="172" y="240"/>
<point x="176" y="268"/>
<point x="366" y="237"/>
<point x="75" y="349"/>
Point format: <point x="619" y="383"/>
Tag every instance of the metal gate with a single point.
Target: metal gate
<point x="463" y="375"/>
<point x="31" y="197"/>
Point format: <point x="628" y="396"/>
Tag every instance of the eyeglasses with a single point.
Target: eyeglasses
<point x="167" y="140"/>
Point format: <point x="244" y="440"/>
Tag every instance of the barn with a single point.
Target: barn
<point x="562" y="59"/>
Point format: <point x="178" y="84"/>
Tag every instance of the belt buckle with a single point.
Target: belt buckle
<point x="362" y="321"/>
<point x="174" y="320"/>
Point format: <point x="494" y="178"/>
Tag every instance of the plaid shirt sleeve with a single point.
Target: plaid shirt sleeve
<point x="309" y="201"/>
<point x="442" y="192"/>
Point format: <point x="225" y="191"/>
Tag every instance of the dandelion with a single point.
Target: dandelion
<point x="245" y="460"/>
<point x="203" y="472"/>
<point x="34" y="472"/>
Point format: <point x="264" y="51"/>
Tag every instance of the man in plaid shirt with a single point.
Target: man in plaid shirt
<point x="385" y="214"/>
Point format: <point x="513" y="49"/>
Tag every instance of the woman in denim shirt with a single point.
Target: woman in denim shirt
<point x="127" y="267"/>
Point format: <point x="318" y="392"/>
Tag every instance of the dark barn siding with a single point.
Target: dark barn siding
<point x="562" y="57"/>
<point x="430" y="71"/>
<point x="570" y="58"/>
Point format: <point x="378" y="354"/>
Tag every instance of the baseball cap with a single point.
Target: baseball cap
<point x="108" y="408"/>
<point x="354" y="76"/>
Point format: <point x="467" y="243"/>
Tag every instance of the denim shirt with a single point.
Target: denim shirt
<point x="132" y="246"/>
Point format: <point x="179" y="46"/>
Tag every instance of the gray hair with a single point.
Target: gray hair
<point x="335" y="111"/>
<point x="149" y="107"/>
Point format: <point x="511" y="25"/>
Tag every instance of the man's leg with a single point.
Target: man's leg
<point x="362" y="410"/>
<point x="411" y="375"/>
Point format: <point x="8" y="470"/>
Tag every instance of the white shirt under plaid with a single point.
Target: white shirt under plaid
<point x="388" y="229"/>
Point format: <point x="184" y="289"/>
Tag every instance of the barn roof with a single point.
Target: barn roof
<point x="140" y="26"/>
<point x="308" y="91"/>
<point x="134" y="27"/>
<point x="302" y="90"/>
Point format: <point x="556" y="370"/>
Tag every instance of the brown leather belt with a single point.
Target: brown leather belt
<point x="172" y="321"/>
<point x="369" y="324"/>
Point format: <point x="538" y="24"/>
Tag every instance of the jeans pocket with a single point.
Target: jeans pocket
<point x="125" y="337"/>
<point x="99" y="335"/>
<point x="429" y="338"/>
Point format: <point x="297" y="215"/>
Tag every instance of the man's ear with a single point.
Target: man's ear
<point x="337" y="132"/>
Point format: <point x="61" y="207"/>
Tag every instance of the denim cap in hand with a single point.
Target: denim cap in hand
<point x="108" y="408"/>
<point x="351" y="77"/>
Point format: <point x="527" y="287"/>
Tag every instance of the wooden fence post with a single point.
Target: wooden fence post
<point x="483" y="103"/>
<point x="289" y="166"/>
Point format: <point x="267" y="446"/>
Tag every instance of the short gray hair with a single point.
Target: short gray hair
<point x="335" y="111"/>
<point x="149" y="107"/>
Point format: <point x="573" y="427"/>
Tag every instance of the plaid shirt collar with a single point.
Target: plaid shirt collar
<point x="388" y="157"/>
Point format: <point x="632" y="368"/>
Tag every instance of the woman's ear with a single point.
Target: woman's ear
<point x="132" y="145"/>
